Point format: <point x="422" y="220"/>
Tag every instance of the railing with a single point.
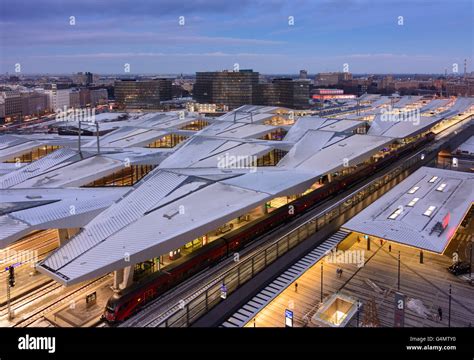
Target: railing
<point x="210" y="294"/>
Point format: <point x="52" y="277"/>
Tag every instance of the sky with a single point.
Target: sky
<point x="272" y="36"/>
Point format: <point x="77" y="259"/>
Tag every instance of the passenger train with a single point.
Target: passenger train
<point x="125" y="303"/>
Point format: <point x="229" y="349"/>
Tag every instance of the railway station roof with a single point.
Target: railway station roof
<point x="467" y="147"/>
<point x="407" y="100"/>
<point x="423" y="211"/>
<point x="194" y="188"/>
<point x="402" y="127"/>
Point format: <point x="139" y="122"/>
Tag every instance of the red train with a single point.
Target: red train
<point x="127" y="302"/>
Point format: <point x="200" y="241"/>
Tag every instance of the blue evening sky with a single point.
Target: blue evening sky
<point x="216" y="34"/>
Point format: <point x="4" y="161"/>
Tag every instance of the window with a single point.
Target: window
<point x="441" y="187"/>
<point x="429" y="211"/>
<point x="413" y="202"/>
<point x="395" y="214"/>
<point x="433" y="179"/>
<point x="413" y="189"/>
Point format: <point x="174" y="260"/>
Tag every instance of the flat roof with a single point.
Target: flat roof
<point x="467" y="146"/>
<point x="402" y="127"/>
<point x="413" y="213"/>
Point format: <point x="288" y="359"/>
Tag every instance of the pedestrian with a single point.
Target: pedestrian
<point x="381" y="242"/>
<point x="296" y="287"/>
<point x="254" y="325"/>
<point x="340" y="272"/>
<point x="390" y="248"/>
<point x="440" y="313"/>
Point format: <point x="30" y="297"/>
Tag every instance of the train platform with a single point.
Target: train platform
<point x="83" y="311"/>
<point x="426" y="287"/>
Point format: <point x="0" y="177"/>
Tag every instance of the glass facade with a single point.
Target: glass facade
<point x="168" y="141"/>
<point x="35" y="154"/>
<point x="127" y="176"/>
<point x="232" y="88"/>
<point x="144" y="94"/>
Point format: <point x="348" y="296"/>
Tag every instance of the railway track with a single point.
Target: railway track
<point x="31" y="297"/>
<point x="174" y="300"/>
<point x="39" y="313"/>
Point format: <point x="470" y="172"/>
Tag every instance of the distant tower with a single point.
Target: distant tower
<point x="465" y="69"/>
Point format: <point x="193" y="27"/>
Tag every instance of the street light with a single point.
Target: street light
<point x="470" y="265"/>
<point x="398" y="270"/>
<point x="449" y="312"/>
<point x="358" y="311"/>
<point x="10" y="284"/>
<point x="322" y="281"/>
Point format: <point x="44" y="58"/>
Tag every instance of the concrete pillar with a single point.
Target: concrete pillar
<point x="127" y="277"/>
<point x="72" y="231"/>
<point x="118" y="279"/>
<point x="63" y="236"/>
<point x="329" y="178"/>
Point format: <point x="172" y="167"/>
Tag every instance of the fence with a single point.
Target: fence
<point x="210" y="294"/>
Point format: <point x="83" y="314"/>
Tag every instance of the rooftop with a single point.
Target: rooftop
<point x="187" y="194"/>
<point x="423" y="211"/>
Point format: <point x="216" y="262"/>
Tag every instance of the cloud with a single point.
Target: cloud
<point x="121" y="55"/>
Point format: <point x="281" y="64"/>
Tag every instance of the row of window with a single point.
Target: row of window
<point x="128" y="176"/>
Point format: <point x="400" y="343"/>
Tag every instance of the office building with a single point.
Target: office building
<point x="231" y="88"/>
<point x="57" y="99"/>
<point x="141" y="94"/>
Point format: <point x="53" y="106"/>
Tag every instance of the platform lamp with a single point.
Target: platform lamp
<point x="470" y="264"/>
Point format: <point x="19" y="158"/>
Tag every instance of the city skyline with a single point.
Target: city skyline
<point x="267" y="36"/>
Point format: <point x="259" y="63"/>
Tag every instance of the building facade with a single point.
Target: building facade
<point x="331" y="78"/>
<point x="231" y="88"/>
<point x="98" y="97"/>
<point x="58" y="99"/>
<point x="33" y="103"/>
<point x="140" y="94"/>
<point x="13" y="106"/>
<point x="75" y="99"/>
<point x="284" y="92"/>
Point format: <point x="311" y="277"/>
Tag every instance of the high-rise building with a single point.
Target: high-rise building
<point x="142" y="94"/>
<point x="284" y="92"/>
<point x="267" y="94"/>
<point x="75" y="99"/>
<point x="166" y="89"/>
<point x="303" y="74"/>
<point x="99" y="96"/>
<point x="231" y="88"/>
<point x="13" y="105"/>
<point x="2" y="110"/>
<point x="85" y="79"/>
<point x="84" y="97"/>
<point x="57" y="99"/>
